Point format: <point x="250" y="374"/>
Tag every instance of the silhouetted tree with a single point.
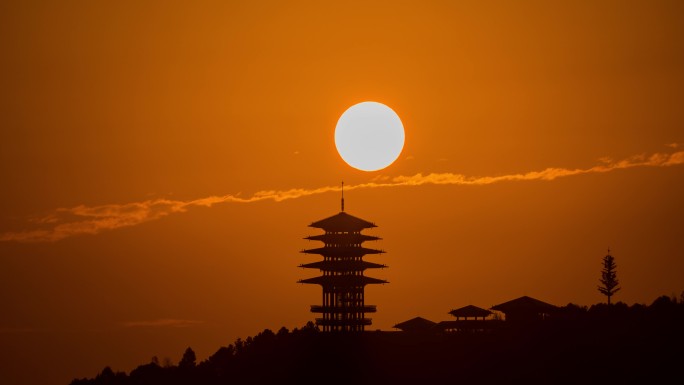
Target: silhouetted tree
<point x="239" y="345"/>
<point x="188" y="360"/>
<point x="147" y="374"/>
<point x="310" y="327"/>
<point x="609" y="281"/>
<point x="664" y="304"/>
<point x="106" y="377"/>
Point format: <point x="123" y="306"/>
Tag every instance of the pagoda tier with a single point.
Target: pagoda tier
<point x="332" y="238"/>
<point x="342" y="251"/>
<point x="343" y="223"/>
<point x="343" y="265"/>
<point x="343" y="280"/>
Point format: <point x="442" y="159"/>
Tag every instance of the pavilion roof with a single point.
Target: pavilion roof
<point x="418" y="323"/>
<point x="342" y="222"/>
<point x="524" y="303"/>
<point x="470" y="311"/>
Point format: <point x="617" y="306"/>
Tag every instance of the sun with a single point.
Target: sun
<point x="369" y="136"/>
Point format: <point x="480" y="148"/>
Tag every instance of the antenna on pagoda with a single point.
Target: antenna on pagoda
<point x="342" y="202"/>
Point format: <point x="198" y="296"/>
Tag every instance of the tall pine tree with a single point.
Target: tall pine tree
<point x="609" y="281"/>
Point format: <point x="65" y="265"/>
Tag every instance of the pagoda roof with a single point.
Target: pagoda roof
<point x="342" y="251"/>
<point x="414" y="324"/>
<point x="342" y="222"/>
<point x="526" y="304"/>
<point x="343" y="265"/>
<point x="470" y="311"/>
<point x="342" y="280"/>
<point x="340" y="238"/>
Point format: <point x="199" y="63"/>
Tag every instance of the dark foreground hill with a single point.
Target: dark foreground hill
<point x="602" y="345"/>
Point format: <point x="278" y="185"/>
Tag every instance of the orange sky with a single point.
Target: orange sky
<point x="120" y="113"/>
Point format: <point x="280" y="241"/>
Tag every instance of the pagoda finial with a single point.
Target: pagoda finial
<point x="342" y="202"/>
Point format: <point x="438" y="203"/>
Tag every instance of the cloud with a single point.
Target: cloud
<point x="164" y="322"/>
<point x="79" y="220"/>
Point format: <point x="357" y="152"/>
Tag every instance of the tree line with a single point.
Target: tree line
<point x="600" y="343"/>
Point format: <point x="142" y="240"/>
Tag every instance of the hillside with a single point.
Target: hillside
<point x="602" y="344"/>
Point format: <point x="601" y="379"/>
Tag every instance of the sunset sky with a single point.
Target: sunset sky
<point x="161" y="161"/>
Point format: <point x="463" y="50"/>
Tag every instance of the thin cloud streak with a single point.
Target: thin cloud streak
<point x="68" y="222"/>
<point x="21" y="330"/>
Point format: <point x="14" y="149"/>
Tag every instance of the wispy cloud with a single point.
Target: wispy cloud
<point x="68" y="222"/>
<point x="165" y="322"/>
<point x="21" y="330"/>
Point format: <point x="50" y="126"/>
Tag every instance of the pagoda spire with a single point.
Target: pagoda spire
<point x="342" y="202"/>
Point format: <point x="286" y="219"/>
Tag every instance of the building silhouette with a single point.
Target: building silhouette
<point x="343" y="281"/>
<point x="416" y="325"/>
<point x="520" y="312"/>
<point x="525" y="310"/>
<point x="470" y="311"/>
<point x="468" y="318"/>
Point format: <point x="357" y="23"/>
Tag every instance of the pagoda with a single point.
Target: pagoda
<point x="343" y="280"/>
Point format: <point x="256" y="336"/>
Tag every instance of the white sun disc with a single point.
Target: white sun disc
<point x="369" y="136"/>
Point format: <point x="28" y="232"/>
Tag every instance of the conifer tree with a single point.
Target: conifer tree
<point x="188" y="360"/>
<point x="609" y="281"/>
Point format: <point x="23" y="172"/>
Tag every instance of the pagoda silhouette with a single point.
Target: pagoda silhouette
<point x="343" y="280"/>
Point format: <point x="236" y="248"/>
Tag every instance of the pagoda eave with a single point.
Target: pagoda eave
<point x="343" y="265"/>
<point x="342" y="238"/>
<point x="342" y="222"/>
<point x="342" y="251"/>
<point x="341" y="280"/>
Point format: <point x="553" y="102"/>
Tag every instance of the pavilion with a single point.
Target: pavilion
<point x="525" y="309"/>
<point x="470" y="311"/>
<point x="473" y="318"/>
